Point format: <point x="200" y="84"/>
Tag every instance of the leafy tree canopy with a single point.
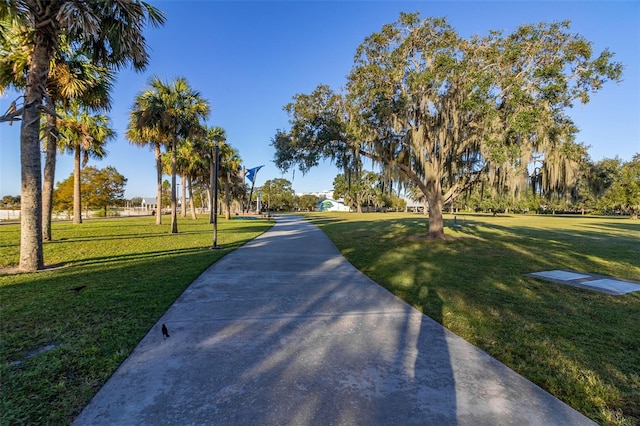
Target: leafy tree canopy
<point x="446" y="113"/>
<point x="10" y="201"/>
<point x="624" y="191"/>
<point x="308" y="202"/>
<point x="101" y="188"/>
<point x="279" y="194"/>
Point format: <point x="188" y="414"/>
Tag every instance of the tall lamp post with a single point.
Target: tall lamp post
<point x="215" y="197"/>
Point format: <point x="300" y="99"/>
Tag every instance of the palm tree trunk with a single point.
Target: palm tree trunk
<point x="210" y="204"/>
<point x="31" y="253"/>
<point x="159" y="185"/>
<point x="193" y="209"/>
<point x="77" y="197"/>
<point x="184" y="196"/>
<point x="49" y="176"/>
<point x="227" y="202"/>
<point x="174" y="204"/>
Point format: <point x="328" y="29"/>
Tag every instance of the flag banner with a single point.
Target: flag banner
<point x="251" y="173"/>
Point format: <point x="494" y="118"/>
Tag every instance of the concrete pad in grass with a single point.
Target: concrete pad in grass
<point x="613" y="286"/>
<point x="561" y="275"/>
<point x="596" y="282"/>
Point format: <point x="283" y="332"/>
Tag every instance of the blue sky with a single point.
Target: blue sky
<point x="249" y="58"/>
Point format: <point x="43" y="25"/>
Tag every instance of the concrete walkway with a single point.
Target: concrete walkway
<point x="284" y="331"/>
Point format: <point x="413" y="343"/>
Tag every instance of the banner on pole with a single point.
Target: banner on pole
<point x="251" y="173"/>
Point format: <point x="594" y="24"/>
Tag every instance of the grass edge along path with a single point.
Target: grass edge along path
<point x="64" y="331"/>
<point x="581" y="346"/>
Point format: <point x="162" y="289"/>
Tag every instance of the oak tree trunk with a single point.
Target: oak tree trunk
<point x="433" y="195"/>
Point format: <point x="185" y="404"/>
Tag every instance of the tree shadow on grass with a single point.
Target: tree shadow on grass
<point x="586" y="341"/>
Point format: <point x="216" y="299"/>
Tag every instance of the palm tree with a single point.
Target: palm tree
<point x="72" y="75"/>
<point x="175" y="110"/>
<point x="215" y="136"/>
<point x="230" y="167"/>
<point x="14" y="60"/>
<point x="193" y="166"/>
<point x="112" y="31"/>
<point x="140" y="133"/>
<point x="84" y="135"/>
<point x="73" y="78"/>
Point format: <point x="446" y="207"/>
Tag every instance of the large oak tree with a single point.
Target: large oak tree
<point x="445" y="113"/>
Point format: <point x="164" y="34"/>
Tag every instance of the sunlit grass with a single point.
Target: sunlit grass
<point x="65" y="330"/>
<point x="580" y="345"/>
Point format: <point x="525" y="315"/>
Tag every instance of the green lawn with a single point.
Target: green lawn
<point x="580" y="345"/>
<point x="59" y="345"/>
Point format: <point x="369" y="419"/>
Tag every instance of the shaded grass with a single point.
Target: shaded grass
<point x="61" y="341"/>
<point x="581" y="346"/>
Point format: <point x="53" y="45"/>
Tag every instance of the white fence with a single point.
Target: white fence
<point x="9" y="215"/>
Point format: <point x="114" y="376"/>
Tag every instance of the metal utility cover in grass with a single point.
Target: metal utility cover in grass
<point x="595" y="282"/>
<point x="561" y="275"/>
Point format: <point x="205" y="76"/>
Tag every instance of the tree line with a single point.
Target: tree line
<point x="606" y="187"/>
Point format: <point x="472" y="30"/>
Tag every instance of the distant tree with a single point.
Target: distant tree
<point x="166" y="193"/>
<point x="235" y="192"/>
<point x="63" y="196"/>
<point x="394" y="202"/>
<point x="11" y="201"/>
<point x="308" y="202"/>
<point x="191" y="165"/>
<point x="348" y="190"/>
<point x="624" y="192"/>
<point x="359" y="190"/>
<point x="84" y="135"/>
<point x="279" y="194"/>
<point x="371" y="190"/>
<point x="101" y="189"/>
<point x="230" y="174"/>
<point x="603" y="174"/>
<point x="213" y="136"/>
<point x="105" y="188"/>
<point x="136" y="201"/>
